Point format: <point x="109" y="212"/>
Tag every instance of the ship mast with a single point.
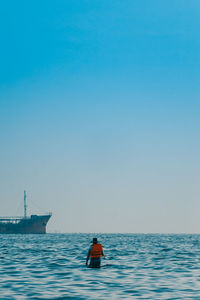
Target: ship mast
<point x="25" y="206"/>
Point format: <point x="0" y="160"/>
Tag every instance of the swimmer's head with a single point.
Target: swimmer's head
<point x="94" y="241"/>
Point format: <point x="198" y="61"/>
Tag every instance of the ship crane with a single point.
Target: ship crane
<point x="25" y="206"/>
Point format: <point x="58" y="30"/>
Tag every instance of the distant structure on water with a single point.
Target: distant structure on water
<point x="25" y="225"/>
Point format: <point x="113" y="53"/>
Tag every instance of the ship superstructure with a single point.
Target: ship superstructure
<point x="24" y="225"/>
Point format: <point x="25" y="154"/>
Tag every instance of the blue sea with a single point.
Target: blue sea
<point x="137" y="266"/>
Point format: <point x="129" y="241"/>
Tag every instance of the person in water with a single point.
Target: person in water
<point x="94" y="254"/>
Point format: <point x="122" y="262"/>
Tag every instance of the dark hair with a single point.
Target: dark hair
<point x="94" y="241"/>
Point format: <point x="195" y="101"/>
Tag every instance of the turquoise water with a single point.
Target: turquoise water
<point x="137" y="266"/>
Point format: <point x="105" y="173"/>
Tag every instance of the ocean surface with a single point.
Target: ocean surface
<point x="137" y="266"/>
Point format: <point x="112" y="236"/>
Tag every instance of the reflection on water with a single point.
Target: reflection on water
<point x="137" y="266"/>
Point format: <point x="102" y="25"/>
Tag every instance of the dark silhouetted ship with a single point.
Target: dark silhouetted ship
<point x="24" y="225"/>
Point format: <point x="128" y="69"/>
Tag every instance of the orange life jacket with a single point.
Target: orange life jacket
<point x="96" y="251"/>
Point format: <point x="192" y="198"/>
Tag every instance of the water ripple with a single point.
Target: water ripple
<point x="137" y="266"/>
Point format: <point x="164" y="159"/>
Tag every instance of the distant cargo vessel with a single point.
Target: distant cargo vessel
<point x="25" y="225"/>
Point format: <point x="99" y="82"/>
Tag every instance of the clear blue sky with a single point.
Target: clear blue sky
<point x="99" y="113"/>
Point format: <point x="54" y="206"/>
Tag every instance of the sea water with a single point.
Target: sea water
<point x="137" y="266"/>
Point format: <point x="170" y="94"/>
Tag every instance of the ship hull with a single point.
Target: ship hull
<point x="33" y="225"/>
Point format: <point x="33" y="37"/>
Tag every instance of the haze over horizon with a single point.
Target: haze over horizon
<point x="99" y="114"/>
